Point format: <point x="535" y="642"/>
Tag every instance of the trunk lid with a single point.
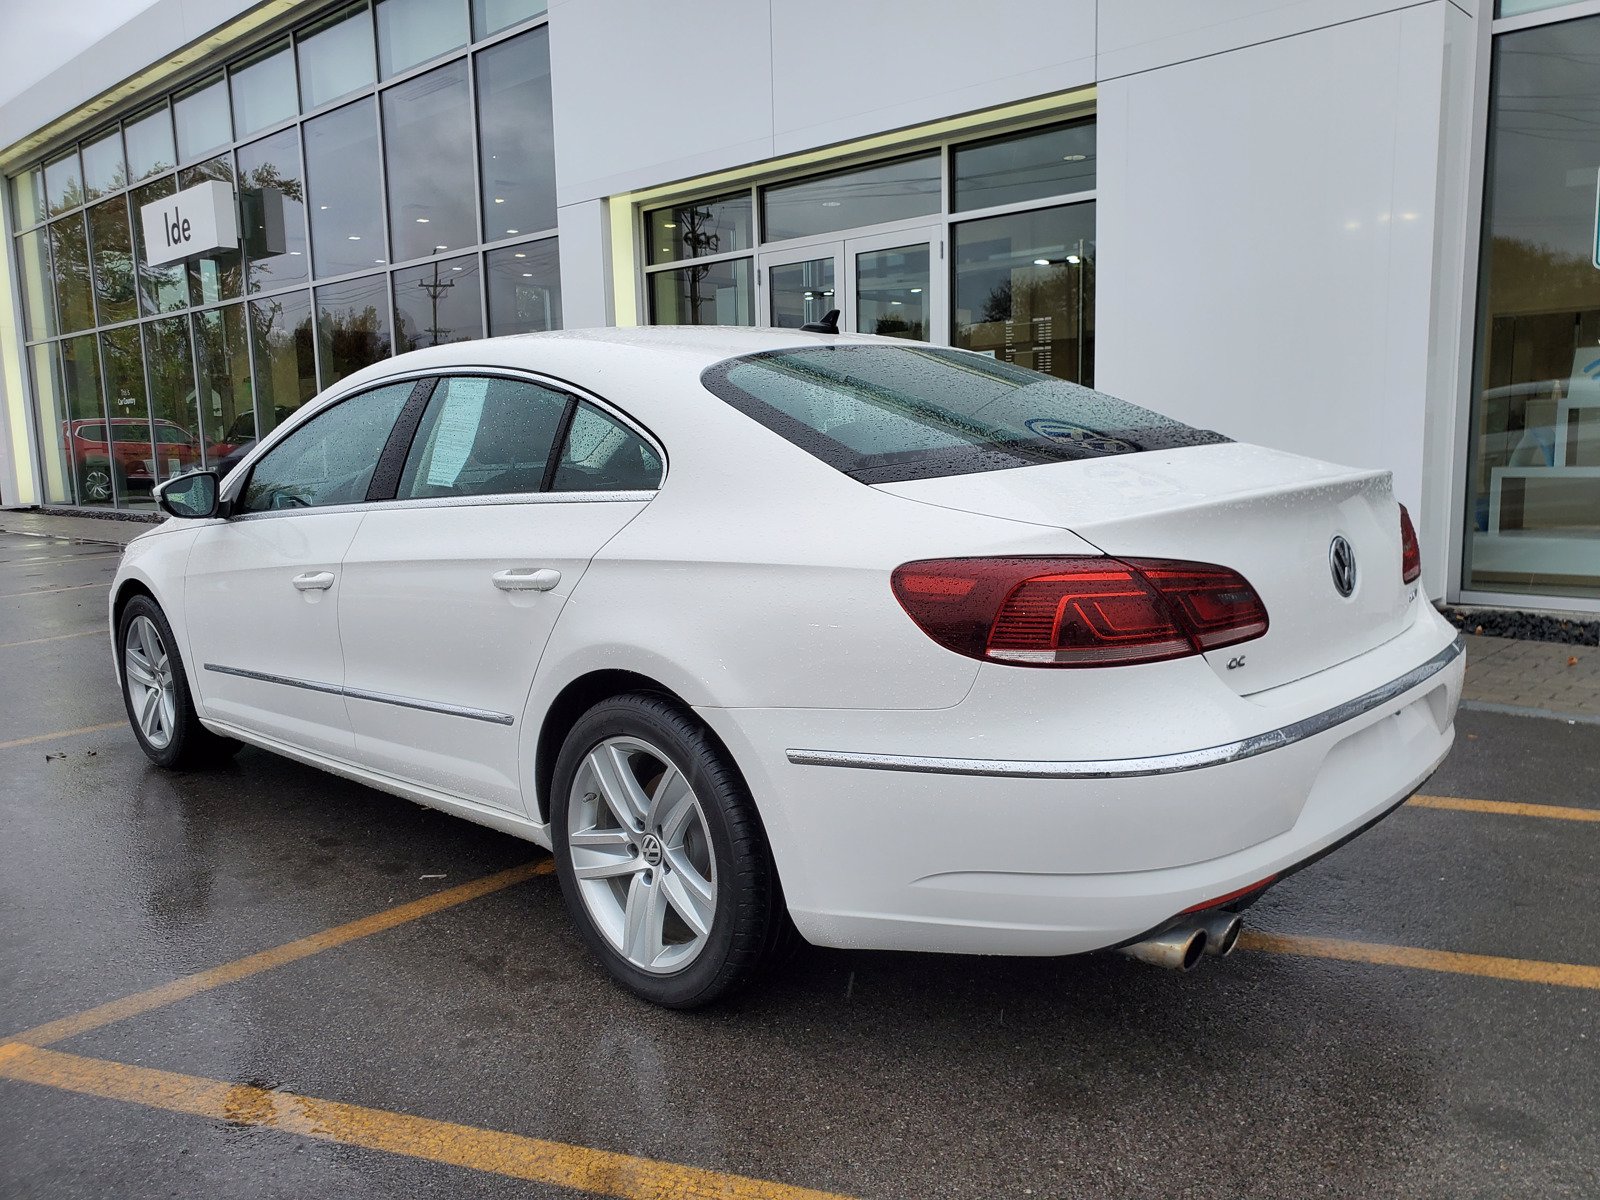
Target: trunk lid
<point x="1270" y="516"/>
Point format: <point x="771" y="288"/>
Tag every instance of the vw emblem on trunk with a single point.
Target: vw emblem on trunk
<point x="1342" y="563"/>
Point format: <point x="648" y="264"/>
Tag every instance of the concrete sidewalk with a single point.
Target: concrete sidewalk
<point x="1503" y="674"/>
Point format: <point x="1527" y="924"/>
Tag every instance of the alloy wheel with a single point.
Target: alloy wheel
<point x="147" y="675"/>
<point x="97" y="484"/>
<point x="641" y="854"/>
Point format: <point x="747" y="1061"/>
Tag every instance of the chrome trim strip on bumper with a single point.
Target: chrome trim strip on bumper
<point x="333" y="689"/>
<point x="1160" y="764"/>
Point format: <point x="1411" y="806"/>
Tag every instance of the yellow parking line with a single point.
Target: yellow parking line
<point x="75" y="587"/>
<point x="62" y="733"/>
<point x="59" y="637"/>
<point x="202" y="981"/>
<point x="600" y="1172"/>
<point x="1490" y="966"/>
<point x="1506" y="808"/>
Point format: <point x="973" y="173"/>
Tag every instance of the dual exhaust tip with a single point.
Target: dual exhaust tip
<point x="1183" y="946"/>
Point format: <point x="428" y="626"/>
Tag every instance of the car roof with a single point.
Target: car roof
<point x="692" y="347"/>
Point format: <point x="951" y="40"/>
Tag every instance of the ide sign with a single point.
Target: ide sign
<point x="193" y="221"/>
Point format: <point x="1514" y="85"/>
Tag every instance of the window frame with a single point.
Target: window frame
<point x="386" y="478"/>
<point x="575" y="394"/>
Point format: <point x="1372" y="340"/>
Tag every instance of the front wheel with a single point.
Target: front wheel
<point x="156" y="692"/>
<point x="662" y="860"/>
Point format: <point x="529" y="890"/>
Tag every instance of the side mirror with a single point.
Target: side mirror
<point x="192" y="496"/>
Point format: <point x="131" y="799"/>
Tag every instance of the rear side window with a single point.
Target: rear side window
<point x="331" y="458"/>
<point x="882" y="414"/>
<point x="483" y="437"/>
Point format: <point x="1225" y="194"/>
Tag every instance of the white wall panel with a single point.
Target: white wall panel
<point x="585" y="264"/>
<point x="1140" y="35"/>
<point x="648" y="93"/>
<point x="1266" y="240"/>
<point x="843" y="69"/>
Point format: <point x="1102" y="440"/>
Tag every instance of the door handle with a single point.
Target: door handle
<point x="526" y="579"/>
<point x="314" y="581"/>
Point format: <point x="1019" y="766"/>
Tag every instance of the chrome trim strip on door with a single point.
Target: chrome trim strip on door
<point x="333" y="689"/>
<point x="1160" y="764"/>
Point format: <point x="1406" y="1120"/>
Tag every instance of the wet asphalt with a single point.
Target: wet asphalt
<point x="870" y="1075"/>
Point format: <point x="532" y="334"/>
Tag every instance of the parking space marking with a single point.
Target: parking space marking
<point x="62" y="733"/>
<point x="1521" y="970"/>
<point x="59" y="637"/>
<point x="266" y="960"/>
<point x="599" y="1172"/>
<point x="1554" y="811"/>
<point x="75" y="587"/>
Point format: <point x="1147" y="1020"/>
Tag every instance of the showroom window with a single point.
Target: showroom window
<point x="392" y="169"/>
<point x="1533" y="473"/>
<point x="986" y="244"/>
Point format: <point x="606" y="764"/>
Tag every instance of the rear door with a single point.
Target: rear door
<point x="262" y="588"/>
<point x="452" y="588"/>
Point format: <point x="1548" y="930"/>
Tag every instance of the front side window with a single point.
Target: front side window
<point x="882" y="414"/>
<point x="330" y="459"/>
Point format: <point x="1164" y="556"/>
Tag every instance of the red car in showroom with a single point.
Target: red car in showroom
<point x="129" y="457"/>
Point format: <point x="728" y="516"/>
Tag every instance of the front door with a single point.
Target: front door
<point x="262" y="589"/>
<point x="451" y="590"/>
<point x="892" y="284"/>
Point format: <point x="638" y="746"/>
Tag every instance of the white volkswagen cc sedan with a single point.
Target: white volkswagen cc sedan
<point x="761" y="632"/>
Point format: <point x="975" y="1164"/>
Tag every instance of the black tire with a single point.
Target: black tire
<point x="750" y="924"/>
<point x="191" y="744"/>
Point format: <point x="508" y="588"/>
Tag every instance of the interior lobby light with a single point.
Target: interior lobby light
<point x="916" y="291"/>
<point x="499" y="199"/>
<point x="830" y="204"/>
<point x="354" y="237"/>
<point x="519" y="254"/>
<point x="668" y="225"/>
<point x="422" y="220"/>
<point x="1074" y="157"/>
<point x="1041" y="262"/>
<point x="1074" y="259"/>
<point x="513" y="231"/>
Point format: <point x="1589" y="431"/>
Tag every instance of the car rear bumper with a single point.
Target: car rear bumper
<point x="1005" y="855"/>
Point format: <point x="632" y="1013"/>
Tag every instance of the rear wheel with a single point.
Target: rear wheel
<point x="662" y="860"/>
<point x="156" y="692"/>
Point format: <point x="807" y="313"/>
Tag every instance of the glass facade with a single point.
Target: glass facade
<point x="395" y="188"/>
<point x="1533" y="471"/>
<point x="987" y="244"/>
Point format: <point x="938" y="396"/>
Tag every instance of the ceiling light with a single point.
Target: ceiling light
<point x="513" y="231"/>
<point x="458" y="268"/>
<point x="499" y="199"/>
<point x="1041" y="262"/>
<point x="1074" y="259"/>
<point x="323" y="207"/>
<point x="295" y="253"/>
<point x="354" y="237"/>
<point x="527" y="274"/>
<point x="1074" y="157"/>
<point x="519" y="254"/>
<point x="378" y="260"/>
<point x="916" y="291"/>
<point x="669" y="225"/>
<point x="830" y="204"/>
<point x="422" y="220"/>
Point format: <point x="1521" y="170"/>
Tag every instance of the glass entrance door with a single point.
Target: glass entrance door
<point x="895" y="290"/>
<point x="885" y="284"/>
<point x="800" y="286"/>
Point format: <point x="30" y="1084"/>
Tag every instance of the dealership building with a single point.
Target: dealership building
<point x="1358" y="229"/>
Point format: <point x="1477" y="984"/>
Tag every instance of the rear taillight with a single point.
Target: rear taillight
<point x="1410" y="552"/>
<point x="1078" y="612"/>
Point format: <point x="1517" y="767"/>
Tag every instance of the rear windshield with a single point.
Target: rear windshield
<point x="882" y="414"/>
